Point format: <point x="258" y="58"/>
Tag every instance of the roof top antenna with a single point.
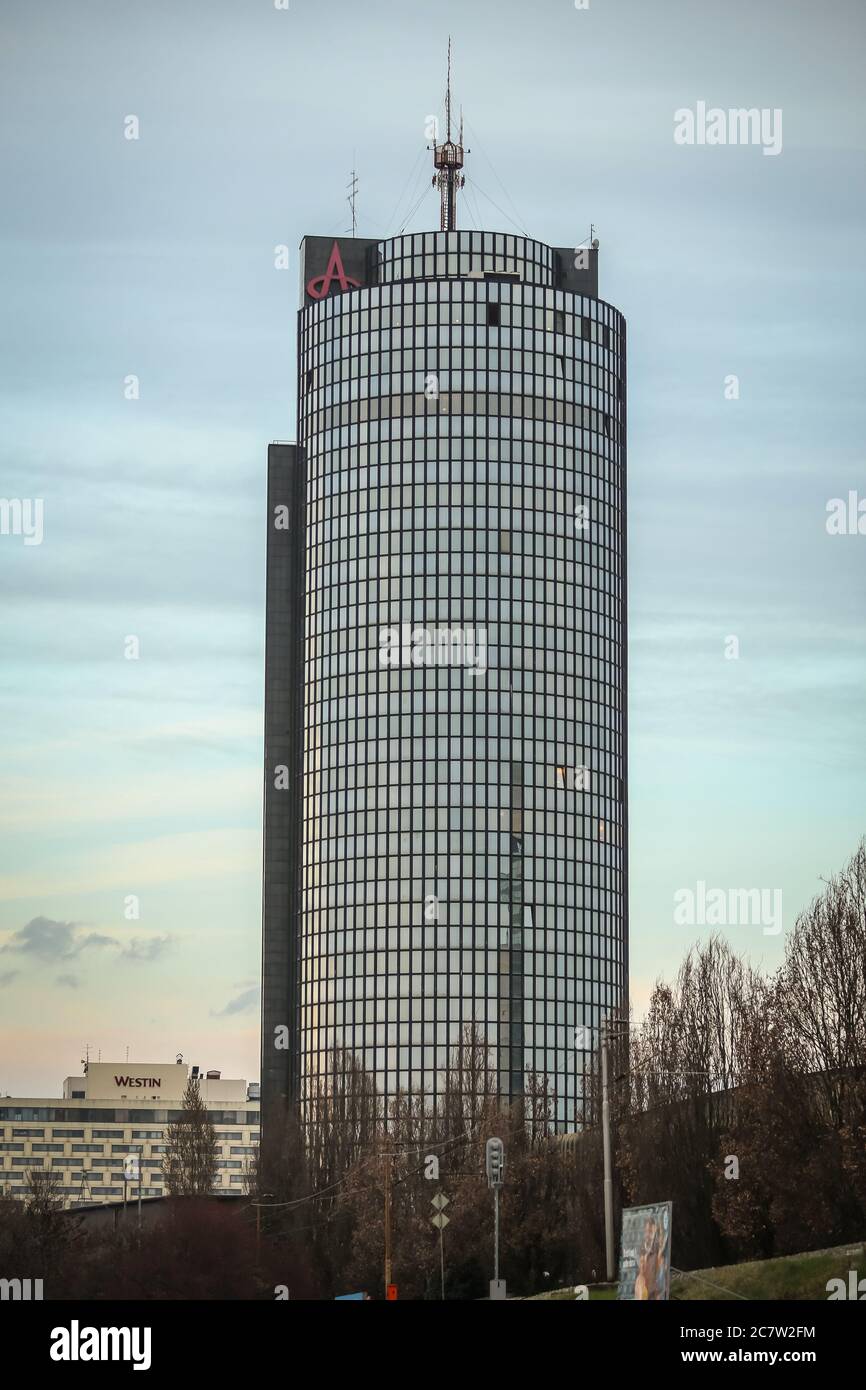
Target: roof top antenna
<point x="448" y="161"/>
<point x="352" y="194"/>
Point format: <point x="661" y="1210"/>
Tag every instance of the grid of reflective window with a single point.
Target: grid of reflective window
<point x="443" y="255"/>
<point x="463" y="818"/>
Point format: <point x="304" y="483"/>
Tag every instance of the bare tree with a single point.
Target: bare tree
<point x="342" y="1117"/>
<point x="692" y="1051"/>
<point x="822" y="991"/>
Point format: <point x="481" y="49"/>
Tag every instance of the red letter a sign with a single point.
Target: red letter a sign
<point x="320" y="284"/>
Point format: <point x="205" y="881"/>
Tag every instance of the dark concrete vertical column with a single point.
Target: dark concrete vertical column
<point x="283" y="783"/>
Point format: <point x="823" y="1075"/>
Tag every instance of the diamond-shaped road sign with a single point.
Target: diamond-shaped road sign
<point x="440" y="1220"/>
<point x="440" y="1201"/>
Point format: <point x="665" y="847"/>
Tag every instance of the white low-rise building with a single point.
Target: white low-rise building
<point x="116" y="1110"/>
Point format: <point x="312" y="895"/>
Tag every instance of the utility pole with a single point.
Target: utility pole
<point x="258" y="1206"/>
<point x="608" y="1176"/>
<point x="387" y="1185"/>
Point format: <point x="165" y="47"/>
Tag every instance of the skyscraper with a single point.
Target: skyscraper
<point x="445" y="742"/>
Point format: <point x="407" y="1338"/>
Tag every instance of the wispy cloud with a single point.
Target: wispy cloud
<point x="46" y="940"/>
<point x="150" y="948"/>
<point x="241" y="1004"/>
<point x="50" y="940"/>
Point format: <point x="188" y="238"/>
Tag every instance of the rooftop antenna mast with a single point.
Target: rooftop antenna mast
<point x="352" y="195"/>
<point x="448" y="161"/>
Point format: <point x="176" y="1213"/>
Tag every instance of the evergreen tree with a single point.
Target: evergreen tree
<point x="190" y="1161"/>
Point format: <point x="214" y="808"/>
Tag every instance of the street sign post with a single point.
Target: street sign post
<point x="440" y="1221"/>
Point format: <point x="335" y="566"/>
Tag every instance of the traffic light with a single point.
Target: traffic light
<point x="495" y="1162"/>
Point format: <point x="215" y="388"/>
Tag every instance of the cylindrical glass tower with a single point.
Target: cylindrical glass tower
<point x="463" y="839"/>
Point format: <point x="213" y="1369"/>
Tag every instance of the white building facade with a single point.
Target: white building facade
<point x="116" y="1110"/>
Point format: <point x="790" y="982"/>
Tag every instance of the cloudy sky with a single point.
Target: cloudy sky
<point x="134" y="785"/>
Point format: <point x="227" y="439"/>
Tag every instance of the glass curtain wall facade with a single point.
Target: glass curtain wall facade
<point x="463" y="840"/>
